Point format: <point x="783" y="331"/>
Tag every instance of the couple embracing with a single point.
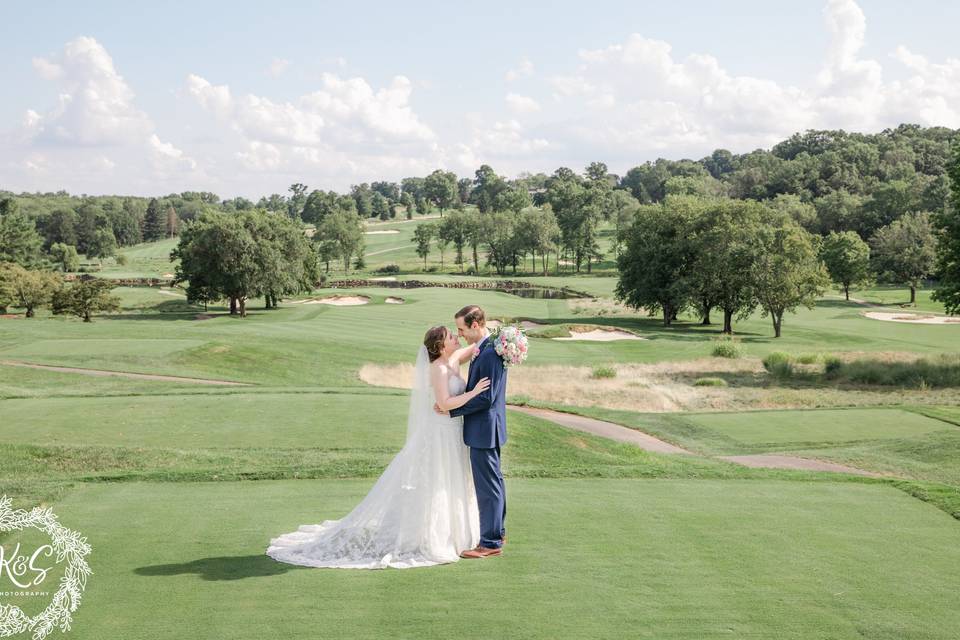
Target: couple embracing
<point x="442" y="497"/>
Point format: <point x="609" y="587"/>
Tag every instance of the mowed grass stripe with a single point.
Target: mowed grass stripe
<point x="651" y="559"/>
<point x="821" y="425"/>
<point x="329" y="421"/>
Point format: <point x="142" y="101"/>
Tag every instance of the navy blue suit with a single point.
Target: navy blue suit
<point x="484" y="431"/>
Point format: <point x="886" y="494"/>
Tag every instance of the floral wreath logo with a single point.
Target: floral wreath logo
<point x="69" y="546"/>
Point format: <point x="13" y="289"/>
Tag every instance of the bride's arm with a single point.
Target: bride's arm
<point x="444" y="400"/>
<point x="462" y="354"/>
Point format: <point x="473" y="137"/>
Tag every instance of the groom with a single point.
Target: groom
<point x="484" y="430"/>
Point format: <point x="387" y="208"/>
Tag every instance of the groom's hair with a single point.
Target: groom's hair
<point x="470" y="314"/>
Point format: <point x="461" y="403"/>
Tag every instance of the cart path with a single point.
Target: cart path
<point x="122" y="374"/>
<point x="650" y="443"/>
<point x="603" y="429"/>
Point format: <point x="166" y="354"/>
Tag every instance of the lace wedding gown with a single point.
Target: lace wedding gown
<point x="421" y="511"/>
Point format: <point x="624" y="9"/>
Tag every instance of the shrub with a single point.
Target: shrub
<point x="940" y="372"/>
<point x="779" y="364"/>
<point x="389" y="268"/>
<point x="121" y="259"/>
<point x="727" y="349"/>
<point x="603" y="372"/>
<point x="808" y="358"/>
<point x="431" y="269"/>
<point x="832" y="366"/>
<point x="470" y="271"/>
<point x="709" y="382"/>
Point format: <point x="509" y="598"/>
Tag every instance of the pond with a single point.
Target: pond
<point x="543" y="293"/>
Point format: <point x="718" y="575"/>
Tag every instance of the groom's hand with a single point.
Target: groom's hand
<point x="436" y="407"/>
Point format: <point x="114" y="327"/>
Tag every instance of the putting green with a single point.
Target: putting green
<point x="652" y="559"/>
<point x="824" y="425"/>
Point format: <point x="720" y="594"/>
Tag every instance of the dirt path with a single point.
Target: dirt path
<point x="650" y="443"/>
<point x="603" y="429"/>
<point x="122" y="374"/>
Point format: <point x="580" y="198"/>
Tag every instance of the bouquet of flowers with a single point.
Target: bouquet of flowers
<point x="510" y="343"/>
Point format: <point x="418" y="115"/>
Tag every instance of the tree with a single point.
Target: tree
<point x="623" y="209"/>
<point x="154" y="222"/>
<point x="423" y="235"/>
<point x="847" y="259"/>
<point x="341" y="235"/>
<point x="905" y="251"/>
<point x="84" y="298"/>
<point x="453" y="229"/>
<point x="537" y="232"/>
<point x="173" y="222"/>
<point x="440" y="188"/>
<point x="725" y="234"/>
<point x="27" y="289"/>
<point x="787" y="273"/>
<point x="656" y="261"/>
<point x="318" y="205"/>
<point x="218" y="259"/>
<point x="476" y="229"/>
<point x="486" y="186"/>
<point x="499" y="237"/>
<point x="948" y="249"/>
<point x="102" y="245"/>
<point x="298" y="197"/>
<point x="363" y="197"/>
<point x="380" y="206"/>
<point x="285" y="261"/>
<point x="408" y="204"/>
<point x="513" y="199"/>
<point x="65" y="256"/>
<point x="60" y="225"/>
<point x="19" y="240"/>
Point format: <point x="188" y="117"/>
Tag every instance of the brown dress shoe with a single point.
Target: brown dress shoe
<point x="481" y="552"/>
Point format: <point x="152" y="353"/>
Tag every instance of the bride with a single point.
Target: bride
<point x="423" y="509"/>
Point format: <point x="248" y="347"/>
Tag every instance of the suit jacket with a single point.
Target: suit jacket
<point x="485" y="415"/>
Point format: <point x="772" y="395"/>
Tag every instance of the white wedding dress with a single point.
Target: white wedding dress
<point x="421" y="511"/>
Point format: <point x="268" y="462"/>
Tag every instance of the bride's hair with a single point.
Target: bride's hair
<point x="434" y="340"/>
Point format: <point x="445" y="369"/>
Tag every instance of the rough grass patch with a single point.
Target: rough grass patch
<point x="709" y="382"/>
<point x="726" y="347"/>
<point x="600" y="373"/>
<point x="779" y="364"/>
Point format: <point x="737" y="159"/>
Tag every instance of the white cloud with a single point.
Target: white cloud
<point x="95" y="105"/>
<point x="523" y="69"/>
<point x="623" y="103"/>
<point x="654" y="102"/>
<point x="522" y="104"/>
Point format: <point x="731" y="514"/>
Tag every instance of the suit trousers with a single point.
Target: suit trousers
<point x="491" y="495"/>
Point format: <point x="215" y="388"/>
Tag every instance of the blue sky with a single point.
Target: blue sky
<point x="243" y="100"/>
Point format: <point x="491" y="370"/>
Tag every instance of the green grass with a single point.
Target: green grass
<point x="893" y="296"/>
<point x="691" y="559"/>
<point x="828" y="425"/>
<point x="179" y="487"/>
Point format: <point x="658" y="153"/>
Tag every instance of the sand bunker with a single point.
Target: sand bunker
<point x="393" y="300"/>
<point x="601" y="335"/>
<point x="384" y="279"/>
<point x="914" y="318"/>
<point x="337" y="301"/>
<point x="168" y="275"/>
<point x="381" y="232"/>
